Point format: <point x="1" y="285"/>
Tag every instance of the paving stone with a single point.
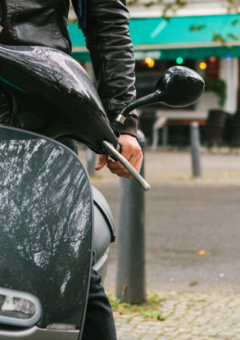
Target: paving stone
<point x="188" y="316"/>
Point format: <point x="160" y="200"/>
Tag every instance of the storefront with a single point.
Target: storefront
<point x="208" y="44"/>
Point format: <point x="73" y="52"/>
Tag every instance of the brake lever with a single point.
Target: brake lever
<point x="119" y="150"/>
<point x="116" y="155"/>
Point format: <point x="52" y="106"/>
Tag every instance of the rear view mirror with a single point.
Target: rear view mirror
<point x="180" y="86"/>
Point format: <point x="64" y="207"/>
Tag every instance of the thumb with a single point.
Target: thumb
<point x="101" y="162"/>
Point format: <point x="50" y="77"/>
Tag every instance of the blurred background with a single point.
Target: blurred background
<point x="192" y="220"/>
<point x="200" y="34"/>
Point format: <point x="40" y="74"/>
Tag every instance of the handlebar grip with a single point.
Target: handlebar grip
<point x="126" y="165"/>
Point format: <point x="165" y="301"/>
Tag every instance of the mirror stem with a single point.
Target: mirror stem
<point x="148" y="100"/>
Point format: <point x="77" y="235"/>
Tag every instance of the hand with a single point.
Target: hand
<point x="130" y="150"/>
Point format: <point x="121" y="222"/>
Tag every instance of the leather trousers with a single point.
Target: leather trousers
<point x="99" y="322"/>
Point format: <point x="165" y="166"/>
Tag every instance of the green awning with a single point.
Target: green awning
<point x="196" y="37"/>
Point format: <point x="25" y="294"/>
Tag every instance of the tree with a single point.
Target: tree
<point x="172" y="6"/>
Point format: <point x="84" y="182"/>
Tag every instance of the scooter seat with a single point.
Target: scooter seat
<point x="52" y="87"/>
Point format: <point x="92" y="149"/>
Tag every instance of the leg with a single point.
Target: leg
<point x="99" y="322"/>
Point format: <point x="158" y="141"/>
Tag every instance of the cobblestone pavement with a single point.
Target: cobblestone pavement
<point x="193" y="316"/>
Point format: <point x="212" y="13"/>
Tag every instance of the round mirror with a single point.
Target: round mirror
<point x="180" y="86"/>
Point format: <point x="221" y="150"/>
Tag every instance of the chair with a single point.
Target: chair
<point x="236" y="129"/>
<point x="216" y="123"/>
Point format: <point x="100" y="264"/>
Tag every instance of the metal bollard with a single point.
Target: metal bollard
<point x="131" y="240"/>
<point x="91" y="161"/>
<point x="165" y="136"/>
<point x="195" y="145"/>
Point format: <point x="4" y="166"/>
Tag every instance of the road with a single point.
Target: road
<point x="181" y="220"/>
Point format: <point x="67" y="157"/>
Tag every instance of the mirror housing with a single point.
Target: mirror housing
<point x="178" y="87"/>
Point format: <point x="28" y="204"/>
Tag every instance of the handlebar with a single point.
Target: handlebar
<point x="126" y="165"/>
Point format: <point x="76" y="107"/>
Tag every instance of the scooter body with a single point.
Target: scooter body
<point x="48" y="207"/>
<point x="52" y="220"/>
<point x="47" y="219"/>
<point x="50" y="93"/>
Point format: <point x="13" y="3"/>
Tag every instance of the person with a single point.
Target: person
<point x="105" y="27"/>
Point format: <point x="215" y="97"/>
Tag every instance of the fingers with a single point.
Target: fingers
<point x="130" y="150"/>
<point x="101" y="162"/>
<point x="138" y="164"/>
<point x="113" y="166"/>
<point x="118" y="169"/>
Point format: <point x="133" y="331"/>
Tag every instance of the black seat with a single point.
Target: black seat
<point x="50" y="93"/>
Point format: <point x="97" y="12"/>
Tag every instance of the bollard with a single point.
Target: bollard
<point x="91" y="161"/>
<point x="165" y="136"/>
<point x="131" y="240"/>
<point x="195" y="145"/>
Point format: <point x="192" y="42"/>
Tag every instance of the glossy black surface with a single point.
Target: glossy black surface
<point x="178" y="87"/>
<point x="45" y="224"/>
<point x="53" y="95"/>
<point x="44" y="23"/>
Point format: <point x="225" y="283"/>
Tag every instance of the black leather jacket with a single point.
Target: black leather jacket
<point x="44" y="23"/>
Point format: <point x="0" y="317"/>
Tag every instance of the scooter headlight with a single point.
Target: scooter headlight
<point x="18" y="308"/>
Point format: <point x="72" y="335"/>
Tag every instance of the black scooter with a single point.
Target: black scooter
<point x="48" y="209"/>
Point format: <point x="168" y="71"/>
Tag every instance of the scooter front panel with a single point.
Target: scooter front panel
<point x="45" y="225"/>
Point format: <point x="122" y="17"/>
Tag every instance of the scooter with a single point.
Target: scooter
<point x="48" y="208"/>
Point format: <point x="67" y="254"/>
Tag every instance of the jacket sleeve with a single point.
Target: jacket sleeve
<point x="110" y="45"/>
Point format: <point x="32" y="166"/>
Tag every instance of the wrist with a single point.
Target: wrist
<point x="130" y="127"/>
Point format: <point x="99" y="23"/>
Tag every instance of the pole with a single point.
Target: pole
<point x="131" y="240"/>
<point x="195" y="145"/>
<point x="165" y="136"/>
<point x="160" y="123"/>
<point x="91" y="161"/>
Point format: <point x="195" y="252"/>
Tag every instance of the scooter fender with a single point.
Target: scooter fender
<point x="104" y="233"/>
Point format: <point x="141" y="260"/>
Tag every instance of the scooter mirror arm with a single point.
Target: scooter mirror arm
<point x="110" y="148"/>
<point x="118" y="123"/>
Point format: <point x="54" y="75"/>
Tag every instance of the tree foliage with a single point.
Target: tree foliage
<point x="171" y="7"/>
<point x="233" y="6"/>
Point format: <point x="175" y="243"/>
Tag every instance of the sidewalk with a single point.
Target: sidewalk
<point x="186" y="316"/>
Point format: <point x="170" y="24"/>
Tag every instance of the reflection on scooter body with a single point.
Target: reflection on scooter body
<point x="48" y="209"/>
<point x="47" y="216"/>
